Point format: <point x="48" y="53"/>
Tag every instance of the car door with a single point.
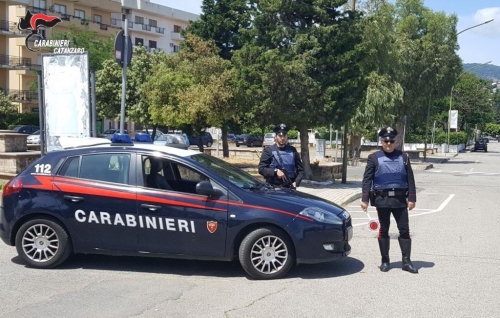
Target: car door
<point x="98" y="200"/>
<point x="176" y="220"/>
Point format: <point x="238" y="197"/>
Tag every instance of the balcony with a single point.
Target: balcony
<point x="22" y="96"/>
<point x="176" y="36"/>
<point x="10" y="28"/>
<point x="143" y="28"/>
<point x="16" y="62"/>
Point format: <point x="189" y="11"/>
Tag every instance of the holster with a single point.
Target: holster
<point x="372" y="196"/>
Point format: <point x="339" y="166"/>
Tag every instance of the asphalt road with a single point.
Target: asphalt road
<point x="455" y="229"/>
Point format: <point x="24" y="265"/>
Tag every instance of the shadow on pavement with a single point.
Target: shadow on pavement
<point x="222" y="269"/>
<point x="416" y="264"/>
<point x="342" y="267"/>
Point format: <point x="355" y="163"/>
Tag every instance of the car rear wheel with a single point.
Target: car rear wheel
<point x="266" y="253"/>
<point x="209" y="144"/>
<point x="42" y="243"/>
<point x="251" y="144"/>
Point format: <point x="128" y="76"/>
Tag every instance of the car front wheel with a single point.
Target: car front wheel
<point x="266" y="253"/>
<point x="42" y="243"/>
<point x="209" y="144"/>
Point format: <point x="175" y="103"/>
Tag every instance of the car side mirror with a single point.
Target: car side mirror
<point x="205" y="188"/>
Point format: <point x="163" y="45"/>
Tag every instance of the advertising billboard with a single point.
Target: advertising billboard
<point x="66" y="98"/>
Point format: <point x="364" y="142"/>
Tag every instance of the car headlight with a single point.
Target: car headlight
<point x="321" y="215"/>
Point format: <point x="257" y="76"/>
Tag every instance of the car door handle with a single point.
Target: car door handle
<point x="150" y="207"/>
<point x="73" y="198"/>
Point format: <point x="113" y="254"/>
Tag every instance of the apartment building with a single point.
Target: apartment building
<point x="154" y="26"/>
<point x="18" y="65"/>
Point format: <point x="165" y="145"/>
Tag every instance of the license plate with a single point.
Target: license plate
<point x="391" y="193"/>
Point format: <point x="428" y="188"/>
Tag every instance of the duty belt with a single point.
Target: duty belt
<point x="391" y="193"/>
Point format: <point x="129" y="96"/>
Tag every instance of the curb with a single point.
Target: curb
<point x="350" y="199"/>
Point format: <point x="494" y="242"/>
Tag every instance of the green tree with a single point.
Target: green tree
<point x="300" y="65"/>
<point x="222" y="21"/>
<point x="109" y="87"/>
<point x="472" y="98"/>
<point x="427" y="64"/>
<point x="196" y="91"/>
<point x="7" y="110"/>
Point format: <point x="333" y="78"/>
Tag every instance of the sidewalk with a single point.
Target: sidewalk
<point x="345" y="193"/>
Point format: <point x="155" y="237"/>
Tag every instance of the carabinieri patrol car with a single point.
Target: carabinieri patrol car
<point x="121" y="198"/>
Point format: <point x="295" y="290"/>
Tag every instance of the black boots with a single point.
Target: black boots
<point x="405" y="245"/>
<point x="384" y="244"/>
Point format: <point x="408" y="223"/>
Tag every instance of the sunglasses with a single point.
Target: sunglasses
<point x="388" y="141"/>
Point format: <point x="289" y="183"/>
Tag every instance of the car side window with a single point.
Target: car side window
<point x="106" y="167"/>
<point x="70" y="167"/>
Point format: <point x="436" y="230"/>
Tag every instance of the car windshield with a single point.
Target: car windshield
<point x="229" y="172"/>
<point x="172" y="139"/>
<point x="271" y="135"/>
<point x="36" y="132"/>
<point x="109" y="131"/>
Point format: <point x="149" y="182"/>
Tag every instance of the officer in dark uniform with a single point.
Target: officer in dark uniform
<point x="280" y="163"/>
<point x="389" y="184"/>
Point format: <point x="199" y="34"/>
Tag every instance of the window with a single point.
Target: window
<point x="139" y="20"/>
<point x="152" y="44"/>
<point x="176" y="49"/>
<point x="153" y="23"/>
<point x="101" y="167"/>
<point x="177" y="29"/>
<point x="70" y="167"/>
<point x="59" y="8"/>
<point x="40" y="4"/>
<point x="80" y="14"/>
<point x="97" y="18"/>
<point x="139" y="41"/>
<point x="164" y="174"/>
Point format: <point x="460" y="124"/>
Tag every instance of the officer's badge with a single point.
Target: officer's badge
<point x="282" y="126"/>
<point x="211" y="226"/>
<point x="389" y="130"/>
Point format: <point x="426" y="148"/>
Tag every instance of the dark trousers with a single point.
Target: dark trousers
<point x="401" y="216"/>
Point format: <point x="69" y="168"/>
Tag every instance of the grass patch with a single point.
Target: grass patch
<point x="242" y="162"/>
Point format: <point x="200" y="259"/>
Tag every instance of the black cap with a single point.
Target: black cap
<point x="281" y="129"/>
<point x="388" y="133"/>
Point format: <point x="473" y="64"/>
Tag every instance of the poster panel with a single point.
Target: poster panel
<point x="66" y="98"/>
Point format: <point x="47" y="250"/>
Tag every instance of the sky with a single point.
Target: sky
<point x="477" y="45"/>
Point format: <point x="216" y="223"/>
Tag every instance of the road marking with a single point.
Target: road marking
<point x="471" y="169"/>
<point x="430" y="211"/>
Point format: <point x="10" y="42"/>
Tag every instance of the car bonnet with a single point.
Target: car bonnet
<point x="296" y="201"/>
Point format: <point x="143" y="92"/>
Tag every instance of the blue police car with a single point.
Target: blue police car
<point x="121" y="198"/>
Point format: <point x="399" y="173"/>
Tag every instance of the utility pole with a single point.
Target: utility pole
<point x="346" y="128"/>
<point x="124" y="73"/>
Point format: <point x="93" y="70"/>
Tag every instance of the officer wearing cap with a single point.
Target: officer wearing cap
<point x="389" y="185"/>
<point x="280" y="163"/>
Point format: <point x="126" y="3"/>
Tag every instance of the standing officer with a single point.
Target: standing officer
<point x="389" y="184"/>
<point x="280" y="163"/>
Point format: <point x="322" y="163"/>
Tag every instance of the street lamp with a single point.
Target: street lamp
<point x="451" y="98"/>
<point x="476" y="26"/>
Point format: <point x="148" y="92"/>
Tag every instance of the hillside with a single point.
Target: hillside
<point x="488" y="71"/>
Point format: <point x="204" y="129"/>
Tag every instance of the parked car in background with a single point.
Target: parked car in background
<point x="34" y="138"/>
<point x="249" y="140"/>
<point x="108" y="134"/>
<point x="481" y="144"/>
<point x="150" y="132"/>
<point x="25" y="129"/>
<point x="268" y="140"/>
<point x="206" y="138"/>
<point x="172" y="140"/>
